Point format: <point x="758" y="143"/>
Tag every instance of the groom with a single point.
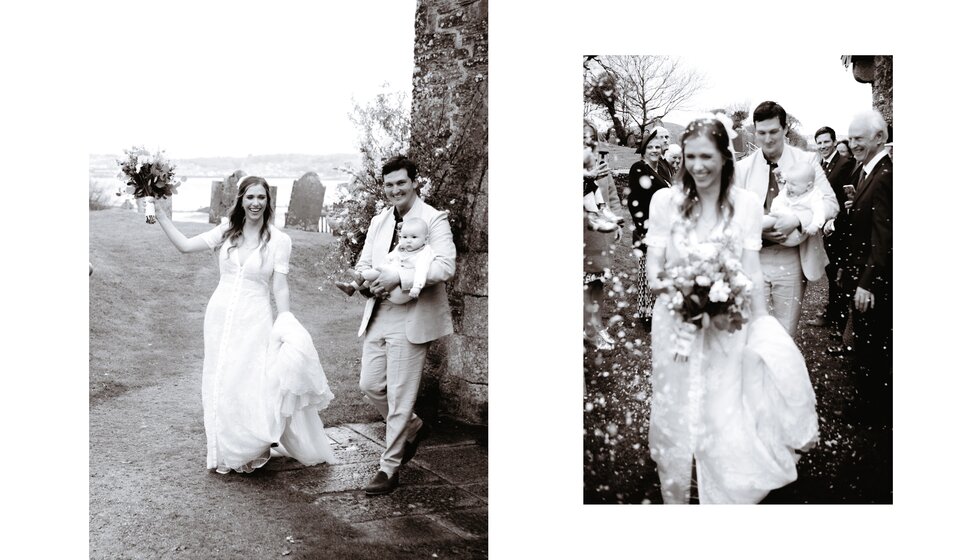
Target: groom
<point x="397" y="337"/>
<point x="785" y="270"/>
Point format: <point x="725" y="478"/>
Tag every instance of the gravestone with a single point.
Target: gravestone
<point x="223" y="195"/>
<point x="306" y="203"/>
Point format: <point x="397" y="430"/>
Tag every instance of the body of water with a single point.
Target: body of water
<point x="193" y="197"/>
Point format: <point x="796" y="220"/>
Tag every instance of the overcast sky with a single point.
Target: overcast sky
<point x="263" y="82"/>
<point x="813" y="87"/>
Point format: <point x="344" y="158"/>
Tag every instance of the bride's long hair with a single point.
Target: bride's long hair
<point x="713" y="130"/>
<point x="236" y="217"/>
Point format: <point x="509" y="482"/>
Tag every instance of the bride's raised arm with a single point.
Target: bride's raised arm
<point x="180" y="241"/>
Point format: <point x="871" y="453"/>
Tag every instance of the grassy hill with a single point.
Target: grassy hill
<point x="147" y="302"/>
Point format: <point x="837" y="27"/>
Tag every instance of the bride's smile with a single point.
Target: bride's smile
<point x="703" y="161"/>
<point x="254" y="201"/>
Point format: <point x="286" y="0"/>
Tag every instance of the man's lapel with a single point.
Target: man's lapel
<point x="383" y="238"/>
<point x="758" y="179"/>
<point x="862" y="186"/>
<point x="829" y="166"/>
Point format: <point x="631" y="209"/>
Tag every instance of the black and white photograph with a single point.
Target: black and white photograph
<point x="738" y="280"/>
<point x="288" y="292"/>
<point x="283" y="346"/>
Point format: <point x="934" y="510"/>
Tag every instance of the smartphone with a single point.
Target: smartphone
<point x="849" y="192"/>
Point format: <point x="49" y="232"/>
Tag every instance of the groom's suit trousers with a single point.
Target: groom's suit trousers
<point x="785" y="283"/>
<point x="391" y="371"/>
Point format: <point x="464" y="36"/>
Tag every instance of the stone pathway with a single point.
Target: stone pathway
<point x="442" y="495"/>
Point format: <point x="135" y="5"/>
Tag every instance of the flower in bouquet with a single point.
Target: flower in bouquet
<point x="707" y="289"/>
<point x="148" y="176"/>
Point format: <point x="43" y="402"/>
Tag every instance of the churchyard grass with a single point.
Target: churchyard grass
<point x="147" y="303"/>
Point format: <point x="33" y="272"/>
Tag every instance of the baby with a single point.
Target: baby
<point x="411" y="253"/>
<point x="798" y="197"/>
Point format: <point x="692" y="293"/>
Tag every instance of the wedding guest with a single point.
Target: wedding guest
<point x="611" y="137"/>
<point x="644" y="181"/>
<point x="663" y="166"/>
<point x="869" y="274"/>
<point x="397" y="337"/>
<point x="869" y="279"/>
<point x="743" y="403"/>
<point x="673" y="157"/>
<point x="247" y="392"/>
<point x="598" y="217"/>
<point x="630" y="141"/>
<point x="784" y="279"/>
<point x="597" y="258"/>
<point x="844" y="150"/>
<point x="839" y="169"/>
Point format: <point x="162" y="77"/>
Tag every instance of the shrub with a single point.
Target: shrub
<point x="99" y="197"/>
<point x="384" y="133"/>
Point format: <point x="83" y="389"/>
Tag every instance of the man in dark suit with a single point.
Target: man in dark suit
<point x="870" y="267"/>
<point x="663" y="166"/>
<point x="840" y="171"/>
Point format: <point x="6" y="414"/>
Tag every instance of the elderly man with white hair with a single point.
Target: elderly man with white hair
<point x="869" y="275"/>
<point x="673" y="156"/>
<point x="663" y="166"/>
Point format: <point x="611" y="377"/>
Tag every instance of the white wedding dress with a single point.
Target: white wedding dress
<point x="261" y="385"/>
<point x="743" y="403"/>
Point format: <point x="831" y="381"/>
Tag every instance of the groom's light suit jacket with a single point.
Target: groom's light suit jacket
<point x="752" y="173"/>
<point x="429" y="316"/>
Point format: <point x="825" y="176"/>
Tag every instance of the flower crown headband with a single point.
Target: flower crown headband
<point x="725" y="121"/>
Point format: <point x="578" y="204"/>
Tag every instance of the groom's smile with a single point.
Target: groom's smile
<point x="400" y="190"/>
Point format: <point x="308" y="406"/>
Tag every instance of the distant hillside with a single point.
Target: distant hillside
<point x="276" y="165"/>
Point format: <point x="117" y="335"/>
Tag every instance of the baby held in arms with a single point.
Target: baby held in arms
<point x="798" y="197"/>
<point x="411" y="253"/>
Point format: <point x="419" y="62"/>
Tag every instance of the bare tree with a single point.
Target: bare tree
<point x="601" y="93"/>
<point x="647" y="87"/>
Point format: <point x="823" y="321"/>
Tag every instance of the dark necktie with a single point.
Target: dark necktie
<point x="394" y="234"/>
<point x="771" y="193"/>
<point x="773" y="186"/>
<point x="826" y="166"/>
<point x="861" y="178"/>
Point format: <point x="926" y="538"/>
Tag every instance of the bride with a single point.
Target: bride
<point x="743" y="404"/>
<point x="262" y="382"/>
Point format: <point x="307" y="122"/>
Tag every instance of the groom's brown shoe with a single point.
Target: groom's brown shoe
<point x="412" y="446"/>
<point x="381" y="484"/>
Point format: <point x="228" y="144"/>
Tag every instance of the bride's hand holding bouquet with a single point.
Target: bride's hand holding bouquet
<point x="148" y="177"/>
<point x="707" y="290"/>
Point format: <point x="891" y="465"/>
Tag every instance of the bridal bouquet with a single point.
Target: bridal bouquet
<point x="148" y="177"/>
<point x="707" y="289"/>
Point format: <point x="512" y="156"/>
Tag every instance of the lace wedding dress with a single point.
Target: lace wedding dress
<point x="260" y="385"/>
<point x="742" y="404"/>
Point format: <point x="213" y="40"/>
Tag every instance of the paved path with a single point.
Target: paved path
<point x="442" y="494"/>
<point x="151" y="496"/>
